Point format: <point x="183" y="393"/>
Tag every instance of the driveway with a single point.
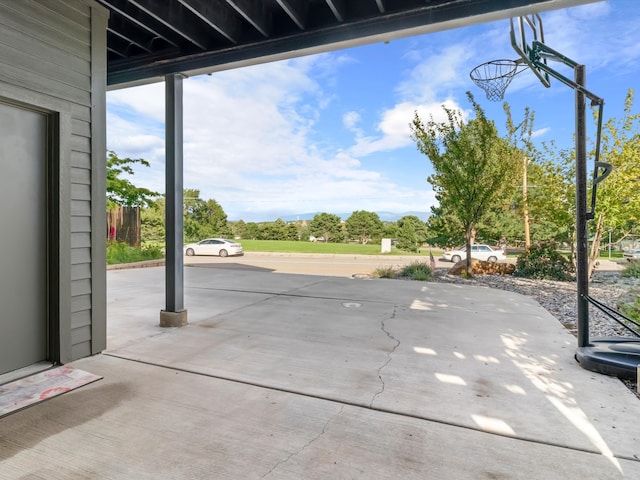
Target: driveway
<point x="281" y="376"/>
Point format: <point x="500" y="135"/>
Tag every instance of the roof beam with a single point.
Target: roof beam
<point x="172" y="16"/>
<point x="338" y="9"/>
<point x="297" y="11"/>
<point x="121" y="44"/>
<point x="256" y="13"/>
<point x="118" y="28"/>
<point x="135" y="16"/>
<point x="218" y="15"/>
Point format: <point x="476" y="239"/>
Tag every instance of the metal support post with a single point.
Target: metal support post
<point x="174" y="315"/>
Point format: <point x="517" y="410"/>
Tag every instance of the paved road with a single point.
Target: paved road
<point x="309" y="264"/>
<point x="319" y="264"/>
<point x="329" y="265"/>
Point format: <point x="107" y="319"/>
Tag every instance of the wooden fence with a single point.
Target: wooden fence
<point x="123" y="225"/>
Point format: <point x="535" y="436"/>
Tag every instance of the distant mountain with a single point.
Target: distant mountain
<point x="384" y="216"/>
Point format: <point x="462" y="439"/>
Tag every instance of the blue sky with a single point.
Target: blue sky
<point x="330" y="132"/>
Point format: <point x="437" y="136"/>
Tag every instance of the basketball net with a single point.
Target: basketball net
<point x="494" y="77"/>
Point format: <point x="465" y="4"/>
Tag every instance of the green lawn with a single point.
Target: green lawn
<point x="330" y="248"/>
<point x="119" y="254"/>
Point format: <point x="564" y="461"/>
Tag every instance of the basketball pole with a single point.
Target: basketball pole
<point x="582" y="249"/>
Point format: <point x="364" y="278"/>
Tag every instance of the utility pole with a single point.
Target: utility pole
<point x="525" y="206"/>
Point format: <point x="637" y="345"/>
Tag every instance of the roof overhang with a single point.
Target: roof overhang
<point x="148" y="39"/>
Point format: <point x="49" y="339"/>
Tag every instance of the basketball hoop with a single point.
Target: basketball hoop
<point x="494" y="77"/>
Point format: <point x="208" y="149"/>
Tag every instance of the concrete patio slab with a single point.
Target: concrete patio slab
<point x="312" y="377"/>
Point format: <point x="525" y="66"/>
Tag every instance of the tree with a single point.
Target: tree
<point x="120" y="191"/>
<point x="238" y="228"/>
<point x="252" y="231"/>
<point x="390" y="230"/>
<point x="277" y="230"/>
<point x="327" y="226"/>
<point x="551" y="196"/>
<point x="473" y="165"/>
<point x="152" y="220"/>
<point x="364" y="226"/>
<point x="203" y="218"/>
<point x="618" y="201"/>
<point x="443" y="227"/>
<point x="412" y="233"/>
<point x="292" y="232"/>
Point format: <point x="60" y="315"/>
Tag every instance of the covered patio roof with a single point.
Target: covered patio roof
<point x="148" y="39"/>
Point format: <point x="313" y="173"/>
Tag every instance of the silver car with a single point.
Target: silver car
<point x="214" y="246"/>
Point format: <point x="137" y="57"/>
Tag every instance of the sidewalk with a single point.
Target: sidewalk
<point x="306" y="377"/>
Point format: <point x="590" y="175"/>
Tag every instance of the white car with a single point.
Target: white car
<point x="479" y="252"/>
<point x="214" y="246"/>
<point x="632" y="254"/>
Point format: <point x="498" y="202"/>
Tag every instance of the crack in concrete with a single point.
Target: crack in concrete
<point x="383" y="327"/>
<point x="307" y="445"/>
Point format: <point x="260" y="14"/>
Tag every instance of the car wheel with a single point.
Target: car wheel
<point x="455" y="258"/>
<point x="492" y="259"/>
<point x="223" y="253"/>
<point x="190" y="252"/>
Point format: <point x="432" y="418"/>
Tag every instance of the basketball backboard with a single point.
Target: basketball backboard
<point x="524" y="31"/>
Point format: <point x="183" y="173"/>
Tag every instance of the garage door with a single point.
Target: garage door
<point x="23" y="237"/>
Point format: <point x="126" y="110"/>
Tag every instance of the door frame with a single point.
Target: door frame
<point x="54" y="224"/>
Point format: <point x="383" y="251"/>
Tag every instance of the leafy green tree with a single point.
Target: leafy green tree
<point x="302" y="228"/>
<point x="277" y="230"/>
<point x="252" y="231"/>
<point x="516" y="202"/>
<point x="292" y="232"/>
<point x="238" y="228"/>
<point x="203" y="218"/>
<point x="551" y="196"/>
<point x="364" y="226"/>
<point x="327" y="226"/>
<point x="618" y="197"/>
<point x="412" y="233"/>
<point x="120" y="191"/>
<point x="152" y="220"/>
<point x="501" y="223"/>
<point x="473" y="165"/>
<point x="390" y="230"/>
<point x="407" y="239"/>
<point x="444" y="229"/>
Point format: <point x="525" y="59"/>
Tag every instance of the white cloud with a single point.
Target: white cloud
<point x="395" y="126"/>
<point x="351" y="119"/>
<point x="425" y="88"/>
<point x="540" y="132"/>
<point x="436" y="75"/>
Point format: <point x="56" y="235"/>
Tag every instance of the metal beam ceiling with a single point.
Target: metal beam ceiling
<point x="148" y="39"/>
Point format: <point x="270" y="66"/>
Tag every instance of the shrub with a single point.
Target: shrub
<point x="417" y="271"/>
<point x="632" y="310"/>
<point x="120" y="252"/>
<point x="385" y="272"/>
<point x="632" y="269"/>
<point x="543" y="262"/>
